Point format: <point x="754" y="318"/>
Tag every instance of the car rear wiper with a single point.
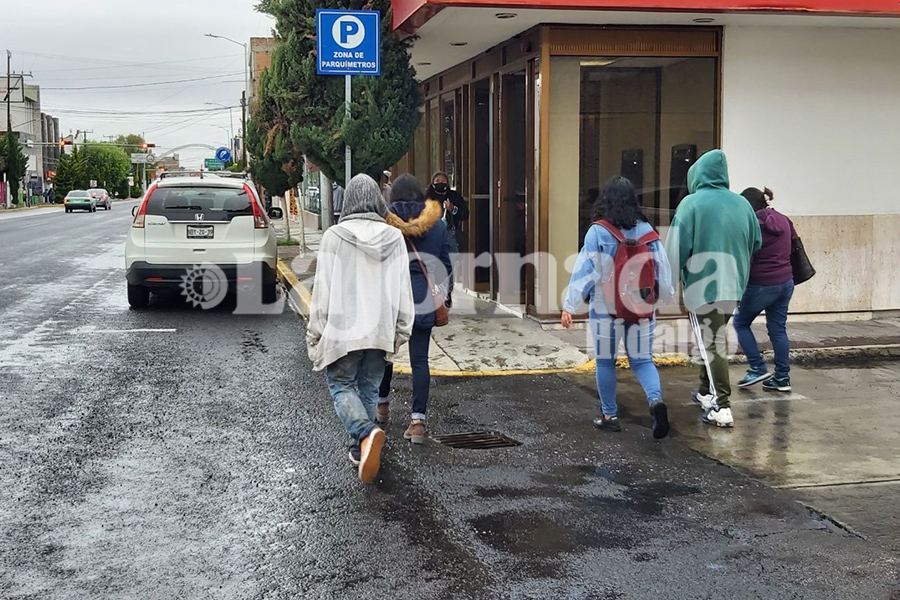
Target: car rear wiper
<point x="191" y="207"/>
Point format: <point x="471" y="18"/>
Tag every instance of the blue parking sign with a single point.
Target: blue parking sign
<point x="348" y="42"/>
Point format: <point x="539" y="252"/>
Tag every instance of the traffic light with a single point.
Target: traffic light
<point x="63" y="142"/>
<point x="146" y="146"/>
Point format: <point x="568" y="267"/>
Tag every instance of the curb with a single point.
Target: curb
<point x="302" y="299"/>
<point x="297" y="292"/>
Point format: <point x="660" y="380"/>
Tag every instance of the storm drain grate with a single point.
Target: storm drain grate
<point x="477" y="440"/>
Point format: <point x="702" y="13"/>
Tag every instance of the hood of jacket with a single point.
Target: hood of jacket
<point x="367" y="232"/>
<point x="773" y="222"/>
<point x="710" y="171"/>
<point x="415" y="219"/>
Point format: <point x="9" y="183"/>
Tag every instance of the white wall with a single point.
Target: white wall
<point x="814" y="113"/>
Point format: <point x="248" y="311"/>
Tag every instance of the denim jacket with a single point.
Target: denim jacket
<point x="594" y="267"/>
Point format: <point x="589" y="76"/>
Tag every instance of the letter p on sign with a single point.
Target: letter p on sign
<point x="348" y="32"/>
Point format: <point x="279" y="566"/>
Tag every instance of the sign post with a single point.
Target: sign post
<point x="348" y="43"/>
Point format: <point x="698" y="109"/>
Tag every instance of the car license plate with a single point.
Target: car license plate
<point x="200" y="231"/>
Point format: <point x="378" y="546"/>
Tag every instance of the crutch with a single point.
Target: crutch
<point x="698" y="333"/>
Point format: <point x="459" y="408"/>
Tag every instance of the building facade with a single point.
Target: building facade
<point x="531" y="107"/>
<point x="261" y="49"/>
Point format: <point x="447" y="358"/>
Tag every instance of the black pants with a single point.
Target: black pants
<point x="419" y="342"/>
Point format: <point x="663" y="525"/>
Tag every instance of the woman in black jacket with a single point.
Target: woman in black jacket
<point x="420" y="220"/>
<point x="456" y="209"/>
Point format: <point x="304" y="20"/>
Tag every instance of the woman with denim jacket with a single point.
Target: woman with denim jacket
<point x="618" y="204"/>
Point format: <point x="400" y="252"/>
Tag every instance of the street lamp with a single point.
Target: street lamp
<point x="244" y="94"/>
<point x="230" y="119"/>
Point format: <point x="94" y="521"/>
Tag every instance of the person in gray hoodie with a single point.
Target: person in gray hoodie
<point x="362" y="311"/>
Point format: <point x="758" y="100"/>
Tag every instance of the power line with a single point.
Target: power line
<point x="103" y="111"/>
<point x="128" y="65"/>
<point x="137" y="85"/>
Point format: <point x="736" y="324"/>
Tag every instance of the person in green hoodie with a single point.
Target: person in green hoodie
<point x="713" y="235"/>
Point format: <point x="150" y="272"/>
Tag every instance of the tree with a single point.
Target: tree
<point x="130" y="143"/>
<point x="308" y="110"/>
<point x="13" y="163"/>
<point x="106" y="164"/>
<point x="71" y="173"/>
<point x="278" y="163"/>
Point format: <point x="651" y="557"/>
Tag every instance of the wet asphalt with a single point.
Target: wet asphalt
<point x="181" y="453"/>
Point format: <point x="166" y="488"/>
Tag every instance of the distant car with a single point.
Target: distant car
<point x="80" y="200"/>
<point x="101" y="197"/>
<point x="186" y="224"/>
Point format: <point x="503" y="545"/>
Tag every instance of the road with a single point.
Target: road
<point x="181" y="453"/>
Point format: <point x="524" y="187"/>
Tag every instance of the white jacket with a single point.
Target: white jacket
<point x="362" y="298"/>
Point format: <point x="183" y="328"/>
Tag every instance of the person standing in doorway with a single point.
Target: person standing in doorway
<point x="386" y="186"/>
<point x="419" y="220"/>
<point x="337" y="201"/>
<point x="617" y="215"/>
<point x="771" y="288"/>
<point x="362" y="310"/>
<point x="456" y="209"/>
<point x="713" y="235"/>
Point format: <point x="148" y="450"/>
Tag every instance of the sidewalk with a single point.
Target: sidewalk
<point x="484" y="340"/>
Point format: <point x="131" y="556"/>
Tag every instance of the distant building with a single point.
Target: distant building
<point x="168" y="163"/>
<point x="261" y="50"/>
<point x="38" y="135"/>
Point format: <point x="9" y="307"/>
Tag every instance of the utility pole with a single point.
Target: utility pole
<point x="8" y="115"/>
<point x="244" y="127"/>
<point x="8" y="92"/>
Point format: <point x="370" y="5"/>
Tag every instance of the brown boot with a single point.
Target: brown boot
<point x="370" y="455"/>
<point x="383" y="413"/>
<point x="415" y="433"/>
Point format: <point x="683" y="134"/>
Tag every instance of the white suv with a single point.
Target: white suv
<point x="187" y="228"/>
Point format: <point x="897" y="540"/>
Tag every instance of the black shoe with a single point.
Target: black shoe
<point x="353" y="455"/>
<point x="607" y="423"/>
<point x="777" y="384"/>
<point x="659" y="420"/>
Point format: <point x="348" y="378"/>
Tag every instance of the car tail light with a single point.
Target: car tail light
<point x="142" y="211"/>
<point x="259" y="219"/>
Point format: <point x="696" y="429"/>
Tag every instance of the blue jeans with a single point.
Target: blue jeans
<point x="353" y="382"/>
<point x="419" y="342"/>
<point x="774" y="299"/>
<point x="607" y="335"/>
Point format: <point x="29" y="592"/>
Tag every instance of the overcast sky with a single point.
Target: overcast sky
<point x="101" y="43"/>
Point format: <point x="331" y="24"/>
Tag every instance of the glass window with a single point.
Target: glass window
<point x="434" y="130"/>
<point x="647" y="119"/>
<point x="420" y="149"/>
<point x="448" y="122"/>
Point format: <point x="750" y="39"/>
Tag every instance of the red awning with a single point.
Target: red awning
<point x="409" y="15"/>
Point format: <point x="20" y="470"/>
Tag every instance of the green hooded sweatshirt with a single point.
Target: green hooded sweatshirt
<point x="713" y="235"/>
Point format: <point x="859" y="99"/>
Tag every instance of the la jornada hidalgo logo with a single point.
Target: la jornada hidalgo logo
<point x="204" y="285"/>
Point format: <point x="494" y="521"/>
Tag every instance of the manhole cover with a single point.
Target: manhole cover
<point x="476" y="440"/>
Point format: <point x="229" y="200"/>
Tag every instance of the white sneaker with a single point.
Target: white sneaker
<point x="720" y="417"/>
<point x="705" y="401"/>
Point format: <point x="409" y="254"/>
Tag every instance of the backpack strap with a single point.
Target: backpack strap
<point x="612" y="229"/>
<point x="648" y="238"/>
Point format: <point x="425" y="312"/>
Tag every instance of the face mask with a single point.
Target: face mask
<point x="441" y="188"/>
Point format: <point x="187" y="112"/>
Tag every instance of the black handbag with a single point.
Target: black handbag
<point x="800" y="265"/>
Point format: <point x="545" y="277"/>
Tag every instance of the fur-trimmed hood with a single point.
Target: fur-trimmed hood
<point x="415" y="219"/>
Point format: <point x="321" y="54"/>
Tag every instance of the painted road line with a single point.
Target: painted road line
<point x="115" y="331"/>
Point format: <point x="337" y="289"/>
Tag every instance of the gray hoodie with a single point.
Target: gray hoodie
<point x="362" y="297"/>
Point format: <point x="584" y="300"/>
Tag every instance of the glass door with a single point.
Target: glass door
<point x="480" y="163"/>
<point x="510" y="206"/>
